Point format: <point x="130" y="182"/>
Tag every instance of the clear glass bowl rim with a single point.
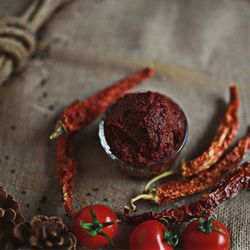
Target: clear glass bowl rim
<point x="107" y="149"/>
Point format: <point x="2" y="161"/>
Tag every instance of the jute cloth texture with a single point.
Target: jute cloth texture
<point x="197" y="48"/>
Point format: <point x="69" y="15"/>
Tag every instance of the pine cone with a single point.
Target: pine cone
<point x="44" y="233"/>
<point x="10" y="215"/>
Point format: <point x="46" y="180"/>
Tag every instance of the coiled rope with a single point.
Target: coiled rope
<point x="18" y="35"/>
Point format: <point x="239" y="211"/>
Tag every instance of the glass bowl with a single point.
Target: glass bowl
<point x="142" y="171"/>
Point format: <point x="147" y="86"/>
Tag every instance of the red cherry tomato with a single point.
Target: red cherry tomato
<point x="194" y="238"/>
<point x="99" y="232"/>
<point x="150" y="235"/>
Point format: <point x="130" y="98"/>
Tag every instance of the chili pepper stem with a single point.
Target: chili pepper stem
<point x="158" y="177"/>
<point x="152" y="196"/>
<point x="60" y="130"/>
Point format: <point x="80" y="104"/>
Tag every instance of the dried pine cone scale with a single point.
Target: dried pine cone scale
<point x="44" y="233"/>
<point x="10" y="216"/>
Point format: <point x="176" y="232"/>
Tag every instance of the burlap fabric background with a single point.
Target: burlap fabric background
<point x="197" y="48"/>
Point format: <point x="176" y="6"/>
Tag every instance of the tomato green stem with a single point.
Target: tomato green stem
<point x="95" y="227"/>
<point x="207" y="227"/>
<point x="164" y="221"/>
<point x="171" y="238"/>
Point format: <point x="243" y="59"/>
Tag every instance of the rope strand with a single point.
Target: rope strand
<point x="18" y="35"/>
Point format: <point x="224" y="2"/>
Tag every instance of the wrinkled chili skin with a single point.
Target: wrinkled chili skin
<point x="234" y="183"/>
<point x="80" y="114"/>
<point x="66" y="169"/>
<point x="76" y="117"/>
<point x="144" y="128"/>
<point x="176" y="189"/>
<point x="226" y="133"/>
<point x="224" y="137"/>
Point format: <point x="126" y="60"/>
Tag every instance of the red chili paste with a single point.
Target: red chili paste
<point x="144" y="128"/>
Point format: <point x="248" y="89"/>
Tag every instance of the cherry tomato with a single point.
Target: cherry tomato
<point x="152" y="234"/>
<point x="194" y="238"/>
<point x="95" y="226"/>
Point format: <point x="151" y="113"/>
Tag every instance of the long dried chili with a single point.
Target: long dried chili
<point x="66" y="169"/>
<point x="176" y="189"/>
<point x="234" y="183"/>
<point x="80" y="114"/>
<point x="226" y="133"/>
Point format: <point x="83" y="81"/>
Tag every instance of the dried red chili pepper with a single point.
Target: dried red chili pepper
<point x="226" y="133"/>
<point x="234" y="183"/>
<point x="77" y="116"/>
<point x="175" y="189"/>
<point x="80" y="114"/>
<point x="66" y="169"/>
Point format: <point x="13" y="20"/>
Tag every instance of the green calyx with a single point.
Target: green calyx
<point x="207" y="227"/>
<point x="95" y="227"/>
<point x="170" y="238"/>
<point x="164" y="221"/>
